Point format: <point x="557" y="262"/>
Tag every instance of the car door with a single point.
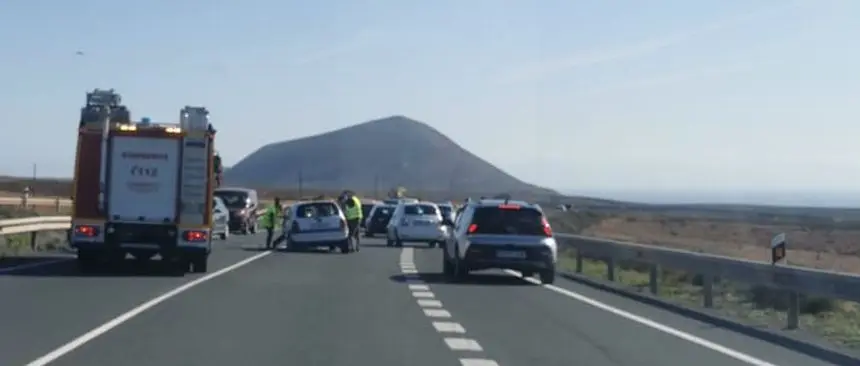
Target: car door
<point x="219" y="215"/>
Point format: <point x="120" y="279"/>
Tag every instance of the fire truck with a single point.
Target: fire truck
<point x="141" y="188"/>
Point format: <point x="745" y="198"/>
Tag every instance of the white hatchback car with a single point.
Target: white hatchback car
<point x="416" y="222"/>
<point x="314" y="224"/>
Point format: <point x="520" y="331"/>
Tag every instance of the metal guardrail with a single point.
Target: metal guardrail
<point x="34" y="225"/>
<point x="793" y="280"/>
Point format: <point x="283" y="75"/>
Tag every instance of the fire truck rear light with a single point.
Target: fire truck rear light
<point x="195" y="235"/>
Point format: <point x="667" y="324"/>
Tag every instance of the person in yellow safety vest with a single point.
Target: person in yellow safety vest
<point x="269" y="219"/>
<point x="352" y="211"/>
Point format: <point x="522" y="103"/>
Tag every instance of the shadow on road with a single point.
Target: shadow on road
<point x="67" y="267"/>
<point x="477" y="279"/>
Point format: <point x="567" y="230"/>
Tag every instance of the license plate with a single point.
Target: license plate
<point x="318" y="225"/>
<point x="511" y="254"/>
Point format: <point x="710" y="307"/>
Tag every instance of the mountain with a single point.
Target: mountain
<point x="376" y="156"/>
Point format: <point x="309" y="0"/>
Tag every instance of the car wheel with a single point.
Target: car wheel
<point x="547" y="277"/>
<point x="527" y="273"/>
<point x="447" y="267"/>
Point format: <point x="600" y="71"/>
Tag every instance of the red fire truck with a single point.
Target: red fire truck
<point x="140" y="188"/>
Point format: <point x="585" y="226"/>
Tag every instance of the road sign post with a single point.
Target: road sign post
<point x="778" y="249"/>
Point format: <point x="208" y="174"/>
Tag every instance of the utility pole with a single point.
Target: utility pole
<point x="34" y="172"/>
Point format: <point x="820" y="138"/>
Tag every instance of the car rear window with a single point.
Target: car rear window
<point x="420" y="210"/>
<point x="311" y="210"/>
<point x="519" y="221"/>
<point x="233" y="199"/>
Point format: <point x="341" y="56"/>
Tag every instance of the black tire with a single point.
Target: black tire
<point x="460" y="272"/>
<point x="200" y="264"/>
<point x="447" y="267"/>
<point x="224" y="235"/>
<point x="527" y="273"/>
<point x="87" y="262"/>
<point x="547" y="277"/>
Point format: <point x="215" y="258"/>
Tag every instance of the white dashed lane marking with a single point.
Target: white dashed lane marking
<point x="448" y="327"/>
<point x="437" y="313"/>
<point x="432" y="308"/>
<point x="428" y="303"/>
<point x="463" y="344"/>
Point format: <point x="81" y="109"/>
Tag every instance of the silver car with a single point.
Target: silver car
<point x="416" y="222"/>
<point x="502" y="234"/>
<point x="314" y="224"/>
<point x="220" y="219"/>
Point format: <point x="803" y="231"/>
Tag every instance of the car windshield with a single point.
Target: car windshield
<point x="419" y="210"/>
<point x="495" y="220"/>
<point x="314" y="210"/>
<point x="233" y="199"/>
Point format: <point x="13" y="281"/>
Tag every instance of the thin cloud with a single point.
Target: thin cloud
<point x="542" y="69"/>
<point x="676" y="77"/>
<point x="357" y="42"/>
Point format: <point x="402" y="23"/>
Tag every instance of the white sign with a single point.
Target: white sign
<point x="777" y="240"/>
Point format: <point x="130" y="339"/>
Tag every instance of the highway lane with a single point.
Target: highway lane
<point x="44" y="307"/>
<point x="519" y="323"/>
<point x="333" y="309"/>
<point x="285" y="308"/>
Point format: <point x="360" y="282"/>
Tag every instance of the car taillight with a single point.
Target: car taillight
<point x="86" y="230"/>
<point x="194" y="235"/>
<point x="473" y="228"/>
<point x="547" y="230"/>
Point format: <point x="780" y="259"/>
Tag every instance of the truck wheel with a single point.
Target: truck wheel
<point x="200" y="264"/>
<point x="87" y="262"/>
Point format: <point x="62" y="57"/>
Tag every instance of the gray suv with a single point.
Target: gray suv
<point x="504" y="234"/>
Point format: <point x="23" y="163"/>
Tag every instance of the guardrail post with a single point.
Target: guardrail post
<point x="578" y="261"/>
<point x="793" y="310"/>
<point x="33" y="240"/>
<point x="708" y="291"/>
<point x="57" y="202"/>
<point x="610" y="269"/>
<point x="653" y="278"/>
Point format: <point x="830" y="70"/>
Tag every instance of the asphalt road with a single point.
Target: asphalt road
<point x="382" y="307"/>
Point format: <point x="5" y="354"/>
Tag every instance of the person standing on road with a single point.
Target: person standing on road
<point x="270" y="218"/>
<point x="353" y="215"/>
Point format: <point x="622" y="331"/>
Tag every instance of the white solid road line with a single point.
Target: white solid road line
<point x="740" y="356"/>
<point x="115" y="322"/>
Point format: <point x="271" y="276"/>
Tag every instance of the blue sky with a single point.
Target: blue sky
<point x="712" y="95"/>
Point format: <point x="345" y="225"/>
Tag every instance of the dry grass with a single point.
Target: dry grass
<point x="833" y="248"/>
<point x="20" y="244"/>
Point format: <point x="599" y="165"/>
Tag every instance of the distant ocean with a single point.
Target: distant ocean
<point x="843" y="199"/>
